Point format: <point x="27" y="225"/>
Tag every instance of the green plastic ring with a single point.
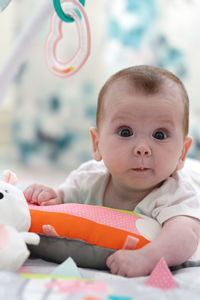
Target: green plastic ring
<point x="63" y="16"/>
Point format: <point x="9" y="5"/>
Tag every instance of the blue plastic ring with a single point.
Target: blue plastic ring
<point x="61" y="14"/>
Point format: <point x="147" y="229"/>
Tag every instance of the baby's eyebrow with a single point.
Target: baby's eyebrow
<point x="125" y="119"/>
<point x="166" y="122"/>
<point x="121" y="118"/>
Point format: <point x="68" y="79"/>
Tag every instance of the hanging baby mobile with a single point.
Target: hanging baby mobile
<point x="68" y="11"/>
<point x="64" y="11"/>
<point x="3" y="4"/>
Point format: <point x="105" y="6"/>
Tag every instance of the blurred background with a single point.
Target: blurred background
<point x="45" y="120"/>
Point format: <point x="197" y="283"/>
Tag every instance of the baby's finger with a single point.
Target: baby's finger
<point x="44" y="196"/>
<point x="114" y="268"/>
<point x="36" y="192"/>
<point x="50" y="202"/>
<point x="28" y="193"/>
<point x="122" y="271"/>
<point x="112" y="265"/>
<point x="109" y="261"/>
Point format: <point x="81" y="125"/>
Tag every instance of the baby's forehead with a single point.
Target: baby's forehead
<point x="125" y="86"/>
<point x="146" y="84"/>
<point x="133" y="85"/>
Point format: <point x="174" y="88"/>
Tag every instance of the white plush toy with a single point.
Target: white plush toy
<point x="14" y="224"/>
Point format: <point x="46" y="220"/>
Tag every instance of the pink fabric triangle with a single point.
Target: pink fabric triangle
<point x="161" y="277"/>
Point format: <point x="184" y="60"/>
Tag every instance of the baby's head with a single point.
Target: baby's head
<point x="142" y="122"/>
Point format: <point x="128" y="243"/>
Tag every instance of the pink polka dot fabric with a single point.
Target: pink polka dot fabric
<point x="102" y="215"/>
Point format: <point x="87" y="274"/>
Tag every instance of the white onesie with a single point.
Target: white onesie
<point x="178" y="195"/>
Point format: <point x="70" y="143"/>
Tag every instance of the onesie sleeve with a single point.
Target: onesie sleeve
<point x="71" y="188"/>
<point x="182" y="198"/>
<point x="86" y="184"/>
<point x="178" y="195"/>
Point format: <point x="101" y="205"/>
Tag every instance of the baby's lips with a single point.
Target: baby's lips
<point x="71" y="66"/>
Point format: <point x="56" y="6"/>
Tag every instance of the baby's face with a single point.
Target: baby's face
<point x="141" y="137"/>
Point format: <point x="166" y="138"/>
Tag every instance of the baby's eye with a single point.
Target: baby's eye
<point x="125" y="132"/>
<point x="160" y="135"/>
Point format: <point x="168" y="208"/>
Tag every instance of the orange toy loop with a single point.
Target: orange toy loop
<point x="88" y="231"/>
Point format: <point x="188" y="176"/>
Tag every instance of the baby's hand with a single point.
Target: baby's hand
<point x="129" y="263"/>
<point x="41" y="195"/>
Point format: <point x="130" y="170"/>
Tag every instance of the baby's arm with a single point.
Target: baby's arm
<point x="43" y="195"/>
<point x="176" y="242"/>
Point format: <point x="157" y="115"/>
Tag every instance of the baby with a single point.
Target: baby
<point x="139" y="146"/>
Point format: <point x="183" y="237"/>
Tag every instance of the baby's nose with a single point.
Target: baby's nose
<point x="142" y="150"/>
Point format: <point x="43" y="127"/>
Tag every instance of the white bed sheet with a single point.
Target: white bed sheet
<point x="188" y="280"/>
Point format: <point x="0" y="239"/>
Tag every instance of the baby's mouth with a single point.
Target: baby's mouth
<point x="141" y="169"/>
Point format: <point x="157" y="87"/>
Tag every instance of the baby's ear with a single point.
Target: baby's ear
<point x="95" y="143"/>
<point x="186" y="146"/>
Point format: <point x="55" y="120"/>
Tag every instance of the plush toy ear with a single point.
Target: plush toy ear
<point x="9" y="177"/>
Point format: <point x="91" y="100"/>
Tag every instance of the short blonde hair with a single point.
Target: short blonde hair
<point x="149" y="80"/>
